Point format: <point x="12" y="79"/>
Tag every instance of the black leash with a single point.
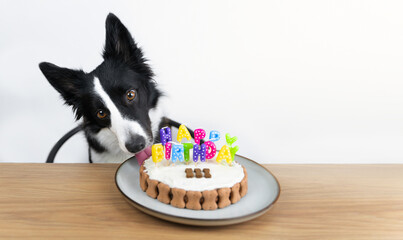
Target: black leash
<point x="59" y="144"/>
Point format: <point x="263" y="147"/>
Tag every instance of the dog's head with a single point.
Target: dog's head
<point x="117" y="95"/>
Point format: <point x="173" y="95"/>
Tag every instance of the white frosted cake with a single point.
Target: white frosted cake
<point x="207" y="184"/>
<point x="169" y="184"/>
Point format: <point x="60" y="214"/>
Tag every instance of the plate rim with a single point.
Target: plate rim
<point x="195" y="221"/>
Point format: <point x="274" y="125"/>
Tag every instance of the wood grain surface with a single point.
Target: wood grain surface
<point x="81" y="201"/>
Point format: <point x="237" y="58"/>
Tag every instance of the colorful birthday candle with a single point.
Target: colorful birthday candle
<point x="186" y="148"/>
<point x="199" y="151"/>
<point x="183" y="133"/>
<point x="233" y="150"/>
<point x="199" y="134"/>
<point x="224" y="154"/>
<point x="214" y="136"/>
<point x="230" y="140"/>
<point x="211" y="149"/>
<point x="177" y="153"/>
<point x="168" y="148"/>
<point x="157" y="151"/>
<point x="165" y="135"/>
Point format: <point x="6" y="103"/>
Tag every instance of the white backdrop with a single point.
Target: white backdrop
<point x="296" y="81"/>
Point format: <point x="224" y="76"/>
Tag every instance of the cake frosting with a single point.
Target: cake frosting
<point x="174" y="174"/>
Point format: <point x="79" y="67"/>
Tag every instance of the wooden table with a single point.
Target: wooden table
<point x="50" y="201"/>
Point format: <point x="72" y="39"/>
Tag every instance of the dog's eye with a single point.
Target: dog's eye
<point x="131" y="95"/>
<point x="101" y="114"/>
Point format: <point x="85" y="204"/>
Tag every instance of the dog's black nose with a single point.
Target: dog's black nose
<point x="135" y="144"/>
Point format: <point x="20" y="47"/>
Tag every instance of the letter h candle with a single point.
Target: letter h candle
<point x="165" y="135"/>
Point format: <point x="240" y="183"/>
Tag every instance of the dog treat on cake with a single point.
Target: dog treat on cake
<point x="206" y="173"/>
<point x="189" y="173"/>
<point x="210" y="199"/>
<point x="163" y="193"/>
<point x="224" y="197"/>
<point x="193" y="200"/>
<point x="206" y="183"/>
<point x="198" y="173"/>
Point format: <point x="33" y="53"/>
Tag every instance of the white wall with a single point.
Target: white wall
<point x="296" y="81"/>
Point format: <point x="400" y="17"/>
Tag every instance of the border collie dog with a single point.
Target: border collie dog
<point x="117" y="101"/>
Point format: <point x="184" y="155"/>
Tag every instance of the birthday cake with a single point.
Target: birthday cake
<point x="196" y="175"/>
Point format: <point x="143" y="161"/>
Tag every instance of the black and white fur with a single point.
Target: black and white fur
<point x="127" y="125"/>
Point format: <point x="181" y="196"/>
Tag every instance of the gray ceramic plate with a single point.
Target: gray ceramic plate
<point x="263" y="192"/>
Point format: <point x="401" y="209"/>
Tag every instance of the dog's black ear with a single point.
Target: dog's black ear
<point x="67" y="82"/>
<point x="119" y="44"/>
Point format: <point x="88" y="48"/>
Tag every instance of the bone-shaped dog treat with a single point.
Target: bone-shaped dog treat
<point x="152" y="188"/>
<point x="235" y="196"/>
<point x="210" y="197"/>
<point x="163" y="195"/>
<point x="244" y="187"/>
<point x="178" y="197"/>
<point x="244" y="184"/>
<point x="193" y="199"/>
<point x="189" y="173"/>
<point x="223" y="197"/>
<point x="198" y="173"/>
<point x="143" y="179"/>
<point x="206" y="172"/>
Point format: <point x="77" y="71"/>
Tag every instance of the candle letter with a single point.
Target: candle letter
<point x="157" y="151"/>
<point x="168" y="148"/>
<point x="199" y="134"/>
<point x="211" y="149"/>
<point x="186" y="148"/>
<point x="199" y="151"/>
<point x="214" y="135"/>
<point x="225" y="154"/>
<point x="183" y="133"/>
<point x="177" y="153"/>
<point x="165" y="135"/>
